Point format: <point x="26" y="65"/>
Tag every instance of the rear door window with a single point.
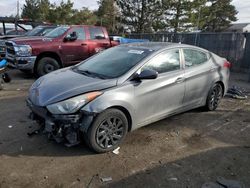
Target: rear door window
<point x="194" y="57"/>
<point x="96" y="33"/>
<point x="165" y="62"/>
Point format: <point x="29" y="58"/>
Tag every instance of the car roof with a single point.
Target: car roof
<point x="156" y="46"/>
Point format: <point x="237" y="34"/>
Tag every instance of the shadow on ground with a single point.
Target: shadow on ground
<point x="193" y="171"/>
<point x="19" y="75"/>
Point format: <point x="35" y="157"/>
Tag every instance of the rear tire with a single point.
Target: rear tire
<point x="46" y="65"/>
<point x="107" y="131"/>
<point x="214" y="97"/>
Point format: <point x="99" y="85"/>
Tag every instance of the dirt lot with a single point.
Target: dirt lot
<point x="186" y="150"/>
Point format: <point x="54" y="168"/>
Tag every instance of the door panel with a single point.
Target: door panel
<point x="75" y="51"/>
<point x="161" y="96"/>
<point x="197" y="77"/>
<point x="98" y="40"/>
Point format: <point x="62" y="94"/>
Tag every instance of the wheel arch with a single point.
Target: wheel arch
<point x="222" y="85"/>
<point x="127" y="114"/>
<point x="47" y="54"/>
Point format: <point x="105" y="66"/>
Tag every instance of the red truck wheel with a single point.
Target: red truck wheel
<point x="46" y="65"/>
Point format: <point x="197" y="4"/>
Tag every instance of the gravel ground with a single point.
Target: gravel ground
<point x="185" y="150"/>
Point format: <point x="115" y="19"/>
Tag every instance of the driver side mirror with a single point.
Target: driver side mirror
<point x="146" y="74"/>
<point x="71" y="37"/>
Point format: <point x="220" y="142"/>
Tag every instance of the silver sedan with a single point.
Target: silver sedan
<point x="124" y="88"/>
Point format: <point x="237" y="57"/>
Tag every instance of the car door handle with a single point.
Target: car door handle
<point x="83" y="44"/>
<point x="179" y="80"/>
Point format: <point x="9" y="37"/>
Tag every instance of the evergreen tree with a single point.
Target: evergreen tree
<point x="44" y="8"/>
<point x="30" y="9"/>
<point x="177" y="14"/>
<point x="139" y="15"/>
<point x="84" y="16"/>
<point x="213" y="15"/>
<point x="62" y="14"/>
<point x="108" y="15"/>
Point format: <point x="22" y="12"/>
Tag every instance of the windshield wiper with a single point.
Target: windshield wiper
<point x="91" y="74"/>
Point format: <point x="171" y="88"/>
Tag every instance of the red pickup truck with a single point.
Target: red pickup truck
<point x="63" y="46"/>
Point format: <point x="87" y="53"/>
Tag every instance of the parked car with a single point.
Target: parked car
<point x="16" y="32"/>
<point x="40" y="30"/>
<point x="37" y="31"/>
<point x="64" y="46"/>
<point x="124" y="88"/>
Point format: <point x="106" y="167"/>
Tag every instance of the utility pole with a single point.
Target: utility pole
<point x="17" y="15"/>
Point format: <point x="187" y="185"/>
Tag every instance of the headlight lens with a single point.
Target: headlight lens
<point x="73" y="104"/>
<point x="23" y="50"/>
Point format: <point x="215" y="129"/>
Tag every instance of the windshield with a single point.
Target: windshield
<point x="14" y="32"/>
<point x="114" y="62"/>
<point x="40" y="31"/>
<point x="57" y="32"/>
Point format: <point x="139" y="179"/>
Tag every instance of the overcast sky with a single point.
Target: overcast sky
<point x="7" y="7"/>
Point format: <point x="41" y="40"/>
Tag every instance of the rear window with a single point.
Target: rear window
<point x="194" y="57"/>
<point x="96" y="33"/>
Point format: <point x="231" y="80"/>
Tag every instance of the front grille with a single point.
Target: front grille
<point x="10" y="48"/>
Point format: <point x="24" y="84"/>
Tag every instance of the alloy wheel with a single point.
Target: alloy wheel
<point x="110" y="132"/>
<point x="48" y="68"/>
<point x="216" y="96"/>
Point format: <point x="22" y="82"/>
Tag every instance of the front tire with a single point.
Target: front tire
<point x="214" y="97"/>
<point x="107" y="131"/>
<point x="46" y="65"/>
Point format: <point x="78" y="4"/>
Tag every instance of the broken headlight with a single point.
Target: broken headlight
<point x="72" y="105"/>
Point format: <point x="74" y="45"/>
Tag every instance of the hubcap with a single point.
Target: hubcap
<point x="49" y="68"/>
<point x="215" y="96"/>
<point x="110" y="132"/>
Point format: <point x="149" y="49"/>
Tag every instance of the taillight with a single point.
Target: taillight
<point x="227" y="64"/>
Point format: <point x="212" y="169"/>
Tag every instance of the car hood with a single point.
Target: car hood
<point x="64" y="84"/>
<point x="30" y="40"/>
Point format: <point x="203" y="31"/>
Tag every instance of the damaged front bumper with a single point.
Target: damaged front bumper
<point x="66" y="128"/>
